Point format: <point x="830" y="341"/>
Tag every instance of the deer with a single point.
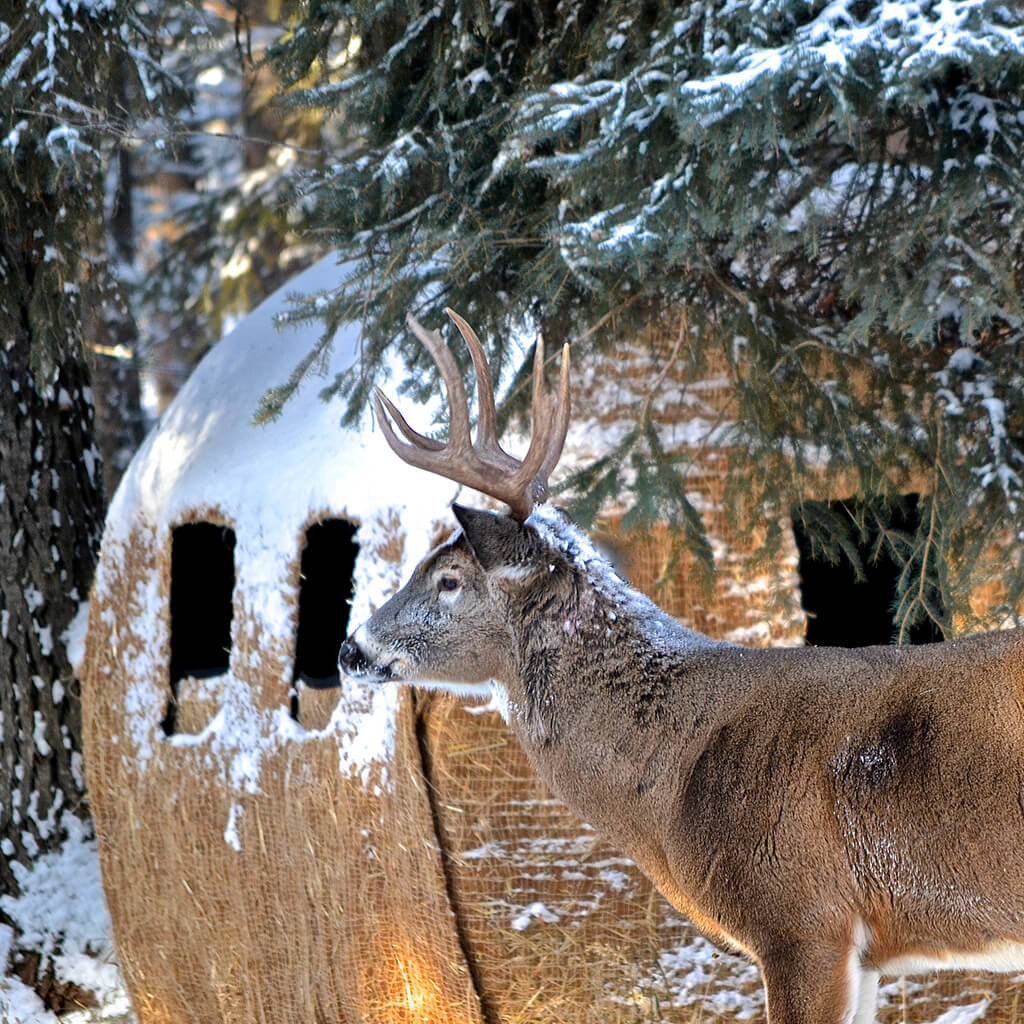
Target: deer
<point x="833" y="814"/>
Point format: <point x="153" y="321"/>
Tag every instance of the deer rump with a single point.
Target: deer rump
<point x="834" y="814"/>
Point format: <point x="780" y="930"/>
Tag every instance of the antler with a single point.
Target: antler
<point x="483" y="464"/>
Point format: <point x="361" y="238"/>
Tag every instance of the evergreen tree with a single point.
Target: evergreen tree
<point x="61" y="61"/>
<point x="219" y="231"/>
<point x="832" y="193"/>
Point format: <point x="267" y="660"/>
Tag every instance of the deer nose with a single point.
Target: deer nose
<point x="350" y="658"/>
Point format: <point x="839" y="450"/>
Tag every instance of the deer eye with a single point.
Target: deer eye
<point x="449" y="583"/>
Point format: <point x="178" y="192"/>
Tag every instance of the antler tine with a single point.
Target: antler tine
<point x="417" y="439"/>
<point x="411" y="454"/>
<point x="482" y="464"/>
<point x="548" y="430"/>
<point x="458" y="406"/>
<point x="561" y="423"/>
<point x="487" y="422"/>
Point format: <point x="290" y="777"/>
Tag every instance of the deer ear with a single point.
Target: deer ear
<point x="494" y="539"/>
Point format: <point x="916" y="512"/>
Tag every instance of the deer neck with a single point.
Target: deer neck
<point x="607" y="693"/>
<point x="585" y="660"/>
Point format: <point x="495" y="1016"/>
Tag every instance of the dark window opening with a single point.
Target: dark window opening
<point x="853" y="601"/>
<point x="325" y="594"/>
<point x="202" y="583"/>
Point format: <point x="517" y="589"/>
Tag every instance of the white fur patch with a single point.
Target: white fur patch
<point x="999" y="956"/>
<point x="866" y="997"/>
<point x="492" y="692"/>
<point x="474" y="691"/>
<point x="499" y="702"/>
<point x="515" y="573"/>
<point x="362" y="637"/>
<point x="862" y="984"/>
<point x="366" y="643"/>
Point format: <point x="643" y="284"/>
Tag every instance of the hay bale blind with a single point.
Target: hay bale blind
<point x="275" y="852"/>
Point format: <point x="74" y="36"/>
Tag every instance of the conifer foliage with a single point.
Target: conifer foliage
<point x="215" y="195"/>
<point x="832" y="190"/>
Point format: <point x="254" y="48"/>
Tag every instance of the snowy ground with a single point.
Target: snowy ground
<point x="62" y="914"/>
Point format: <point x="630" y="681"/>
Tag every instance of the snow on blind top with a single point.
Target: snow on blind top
<point x="269" y="482"/>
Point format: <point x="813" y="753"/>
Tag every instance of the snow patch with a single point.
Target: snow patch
<point x="964" y="1014"/>
<point x="73" y="638"/>
<point x="536" y="911"/>
<point x="231" y="829"/>
<point x="695" y="974"/>
<point x="661" y="629"/>
<point x="62" y="914"/>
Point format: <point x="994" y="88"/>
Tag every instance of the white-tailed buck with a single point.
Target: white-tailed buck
<point x="834" y="814"/>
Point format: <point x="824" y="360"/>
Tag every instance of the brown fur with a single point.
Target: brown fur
<point x="826" y="811"/>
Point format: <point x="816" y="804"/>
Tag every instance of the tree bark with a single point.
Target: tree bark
<point x="51" y="508"/>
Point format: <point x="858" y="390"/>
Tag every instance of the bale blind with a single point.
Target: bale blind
<point x="445" y="885"/>
<point x="258" y="870"/>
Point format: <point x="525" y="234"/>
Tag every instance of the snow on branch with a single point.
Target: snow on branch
<point x="903" y="38"/>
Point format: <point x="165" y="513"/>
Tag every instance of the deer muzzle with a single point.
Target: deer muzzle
<point x="353" y="660"/>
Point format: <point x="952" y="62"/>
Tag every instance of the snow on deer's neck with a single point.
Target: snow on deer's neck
<point x="657" y="626"/>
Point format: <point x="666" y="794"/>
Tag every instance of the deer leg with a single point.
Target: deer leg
<point x="867" y="998"/>
<point x="818" y="985"/>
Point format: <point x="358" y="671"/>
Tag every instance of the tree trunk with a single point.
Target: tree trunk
<point x="51" y="507"/>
